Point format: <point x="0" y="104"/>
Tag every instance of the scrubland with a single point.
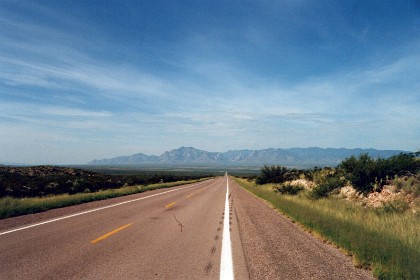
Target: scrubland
<point x="372" y="215"/>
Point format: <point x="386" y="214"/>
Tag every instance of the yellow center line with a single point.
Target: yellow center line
<point x="170" y="205"/>
<point x="109" y="234"/>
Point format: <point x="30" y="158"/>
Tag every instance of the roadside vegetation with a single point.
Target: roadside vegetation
<point x="26" y="190"/>
<point x="37" y="181"/>
<point x="10" y="206"/>
<point x="368" y="207"/>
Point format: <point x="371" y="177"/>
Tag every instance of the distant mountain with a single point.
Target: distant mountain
<point x="187" y="155"/>
<point x="133" y="159"/>
<point x="288" y="157"/>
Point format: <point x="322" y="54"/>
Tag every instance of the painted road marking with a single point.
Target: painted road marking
<point x="170" y="205"/>
<point x="109" y="234"/>
<point x="97" y="209"/>
<point x="226" y="262"/>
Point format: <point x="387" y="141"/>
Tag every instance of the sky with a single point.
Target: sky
<point x="84" y="80"/>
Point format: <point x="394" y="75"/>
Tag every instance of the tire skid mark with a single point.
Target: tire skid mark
<point x="213" y="250"/>
<point x="208" y="268"/>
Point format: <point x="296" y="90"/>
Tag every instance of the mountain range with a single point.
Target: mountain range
<point x="287" y="157"/>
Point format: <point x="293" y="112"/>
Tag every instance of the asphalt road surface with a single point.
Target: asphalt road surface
<point x="175" y="233"/>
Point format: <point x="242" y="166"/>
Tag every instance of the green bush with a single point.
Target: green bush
<point x="287" y="188"/>
<point x="278" y="174"/>
<point x="409" y="185"/>
<point x="324" y="188"/>
<point x="320" y="175"/>
<point x="364" y="172"/>
<point x="401" y="164"/>
<point x="272" y="174"/>
<point x="360" y="172"/>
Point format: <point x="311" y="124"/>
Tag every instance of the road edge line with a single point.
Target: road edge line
<point x="226" y="260"/>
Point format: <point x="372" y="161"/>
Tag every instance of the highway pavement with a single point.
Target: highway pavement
<point x="196" y="231"/>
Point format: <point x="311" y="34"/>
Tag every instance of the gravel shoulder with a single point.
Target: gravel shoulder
<point x="276" y="248"/>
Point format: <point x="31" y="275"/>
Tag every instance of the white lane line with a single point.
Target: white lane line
<point x="226" y="262"/>
<point x="96" y="209"/>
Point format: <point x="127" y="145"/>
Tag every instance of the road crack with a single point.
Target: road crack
<point x="179" y="223"/>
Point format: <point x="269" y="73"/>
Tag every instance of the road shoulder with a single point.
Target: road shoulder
<point x="276" y="248"/>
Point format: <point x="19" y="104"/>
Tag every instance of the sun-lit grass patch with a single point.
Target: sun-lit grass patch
<point x="386" y="242"/>
<point x="10" y="206"/>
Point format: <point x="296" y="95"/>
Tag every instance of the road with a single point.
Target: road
<point x="177" y="233"/>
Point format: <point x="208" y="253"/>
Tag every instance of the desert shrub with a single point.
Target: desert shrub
<point x="401" y="164"/>
<point x="320" y="175"/>
<point x="360" y="172"/>
<point x="311" y="173"/>
<point x="293" y="174"/>
<point x="272" y="174"/>
<point x="288" y="188"/>
<point x="364" y="172"/>
<point x="409" y="185"/>
<point x="326" y="187"/>
<point x="279" y="174"/>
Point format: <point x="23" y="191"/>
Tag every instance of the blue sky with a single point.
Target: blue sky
<point x="81" y="80"/>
